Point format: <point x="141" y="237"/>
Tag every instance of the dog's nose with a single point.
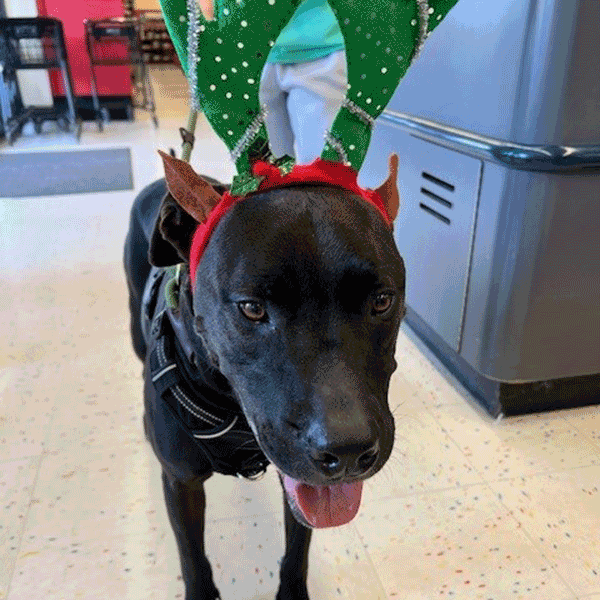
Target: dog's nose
<point x="353" y="459"/>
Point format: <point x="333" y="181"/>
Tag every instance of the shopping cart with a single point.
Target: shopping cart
<point x="156" y="44"/>
<point x="35" y="43"/>
<point x="116" y="42"/>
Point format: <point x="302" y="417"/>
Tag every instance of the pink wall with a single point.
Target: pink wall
<point x="112" y="81"/>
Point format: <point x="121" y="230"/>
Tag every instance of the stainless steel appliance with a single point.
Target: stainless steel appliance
<point x="497" y="125"/>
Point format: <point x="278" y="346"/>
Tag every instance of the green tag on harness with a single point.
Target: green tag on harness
<point x="172" y="286"/>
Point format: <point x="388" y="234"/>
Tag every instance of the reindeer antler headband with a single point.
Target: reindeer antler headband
<point x="224" y="59"/>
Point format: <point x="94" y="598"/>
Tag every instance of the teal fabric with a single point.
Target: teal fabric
<point x="313" y="32"/>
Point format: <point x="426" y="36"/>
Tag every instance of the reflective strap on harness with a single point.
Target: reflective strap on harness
<point x="167" y="378"/>
<point x="226" y="440"/>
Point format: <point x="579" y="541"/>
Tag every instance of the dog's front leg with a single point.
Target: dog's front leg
<point x="186" y="508"/>
<point x="294" y="566"/>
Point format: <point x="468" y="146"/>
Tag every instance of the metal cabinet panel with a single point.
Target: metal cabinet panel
<point x="434" y="229"/>
<point x="521" y="70"/>
<point x="469" y="72"/>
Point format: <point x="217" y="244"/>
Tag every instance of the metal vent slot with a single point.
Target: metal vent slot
<point x="440" y="182"/>
<point x="435" y="213"/>
<point x="437" y="198"/>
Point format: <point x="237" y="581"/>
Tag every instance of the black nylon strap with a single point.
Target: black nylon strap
<point x="224" y="437"/>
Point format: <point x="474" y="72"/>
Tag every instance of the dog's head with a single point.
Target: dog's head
<point x="298" y="299"/>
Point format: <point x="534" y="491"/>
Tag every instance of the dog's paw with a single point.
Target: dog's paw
<point x="203" y="594"/>
<point x="293" y="591"/>
<point x="204" y="597"/>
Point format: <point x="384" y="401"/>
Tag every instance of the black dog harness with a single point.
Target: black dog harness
<point x="210" y="416"/>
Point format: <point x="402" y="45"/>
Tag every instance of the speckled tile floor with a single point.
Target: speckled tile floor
<point x="467" y="508"/>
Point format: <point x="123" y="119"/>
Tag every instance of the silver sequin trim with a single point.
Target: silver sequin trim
<point x="338" y="147"/>
<point x="192" y="9"/>
<point x="423" y="7"/>
<point x="363" y="115"/>
<point x="249" y="134"/>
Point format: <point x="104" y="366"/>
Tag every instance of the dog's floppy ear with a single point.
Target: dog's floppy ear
<point x="389" y="189"/>
<point x="190" y="200"/>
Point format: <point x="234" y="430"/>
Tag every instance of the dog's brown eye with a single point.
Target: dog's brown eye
<point x="382" y="302"/>
<point x="253" y="310"/>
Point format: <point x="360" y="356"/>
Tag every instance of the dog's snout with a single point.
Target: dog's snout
<point x="345" y="460"/>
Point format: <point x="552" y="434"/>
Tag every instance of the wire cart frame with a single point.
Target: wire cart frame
<point x="101" y="37"/>
<point x="35" y="43"/>
<point x="156" y="44"/>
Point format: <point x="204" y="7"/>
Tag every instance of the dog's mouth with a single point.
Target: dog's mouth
<point x="317" y="506"/>
<point x="322" y="506"/>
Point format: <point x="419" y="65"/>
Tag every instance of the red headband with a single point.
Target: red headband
<point x="320" y="171"/>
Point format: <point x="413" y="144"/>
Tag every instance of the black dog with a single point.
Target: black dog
<point x="282" y="353"/>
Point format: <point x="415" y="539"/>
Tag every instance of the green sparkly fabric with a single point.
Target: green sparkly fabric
<point x="382" y="39"/>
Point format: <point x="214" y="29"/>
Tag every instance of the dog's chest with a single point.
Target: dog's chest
<point x="210" y="418"/>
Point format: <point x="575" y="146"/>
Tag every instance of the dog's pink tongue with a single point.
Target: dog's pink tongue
<point x="325" y="506"/>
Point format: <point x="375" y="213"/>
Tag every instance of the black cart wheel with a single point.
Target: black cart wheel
<point x="78" y="126"/>
<point x="102" y="117"/>
<point x="63" y="123"/>
<point x="17" y="130"/>
<point x="37" y="126"/>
